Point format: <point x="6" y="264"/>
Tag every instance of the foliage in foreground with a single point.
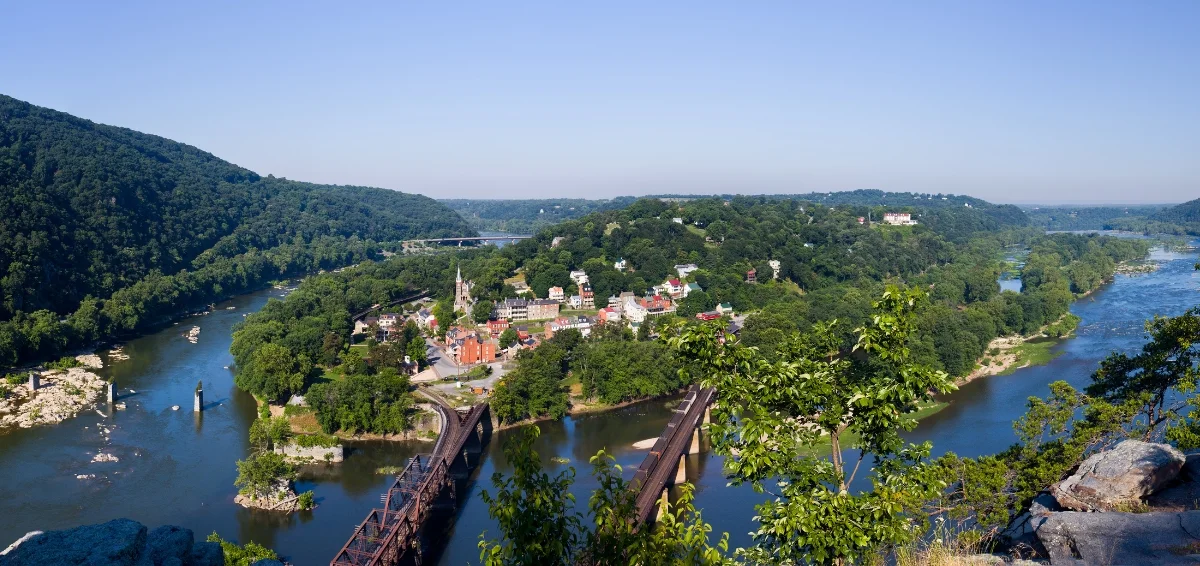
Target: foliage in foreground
<point x="770" y="414"/>
<point x="243" y="555"/>
<point x="539" y="526"/>
<point x="1149" y="395"/>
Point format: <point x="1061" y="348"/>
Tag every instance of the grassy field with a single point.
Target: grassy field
<point x="1035" y="352"/>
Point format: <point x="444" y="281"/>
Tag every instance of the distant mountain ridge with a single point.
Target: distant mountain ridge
<point x="88" y="209"/>
<point x="1185" y="213"/>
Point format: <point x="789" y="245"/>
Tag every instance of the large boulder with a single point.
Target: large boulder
<point x="120" y="542"/>
<point x="1120" y="477"/>
<point x="1160" y="538"/>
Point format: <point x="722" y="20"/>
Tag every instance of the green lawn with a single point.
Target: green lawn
<point x="1034" y="352"/>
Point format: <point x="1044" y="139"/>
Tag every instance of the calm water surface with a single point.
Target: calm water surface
<point x="177" y="468"/>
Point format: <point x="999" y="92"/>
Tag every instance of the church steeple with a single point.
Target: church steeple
<point x="458" y="278"/>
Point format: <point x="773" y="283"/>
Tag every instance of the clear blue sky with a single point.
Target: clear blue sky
<point x="1044" y="101"/>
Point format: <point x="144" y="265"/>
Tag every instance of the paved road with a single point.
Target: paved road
<point x="445" y="366"/>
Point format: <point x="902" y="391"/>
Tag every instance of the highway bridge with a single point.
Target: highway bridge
<point x="460" y="240"/>
<point x="394" y="533"/>
<point x="664" y="465"/>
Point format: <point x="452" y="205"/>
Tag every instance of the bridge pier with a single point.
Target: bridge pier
<point x="681" y="470"/>
<point x="695" y="447"/>
<point x="664" y="505"/>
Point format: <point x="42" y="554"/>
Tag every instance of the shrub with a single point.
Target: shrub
<point x="65" y="362"/>
<point x="242" y="555"/>
<point x="306" y="502"/>
<point x="315" y="440"/>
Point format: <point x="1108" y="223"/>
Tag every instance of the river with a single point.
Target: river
<point x="178" y="468"/>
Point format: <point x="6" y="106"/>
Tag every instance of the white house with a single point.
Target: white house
<point x="556" y="294"/>
<point x="775" y="265"/>
<point x="686" y="268"/>
<point x="691" y="288"/>
<point x="579" y="277"/>
<point x="898" y="219"/>
<point x="620" y="264"/>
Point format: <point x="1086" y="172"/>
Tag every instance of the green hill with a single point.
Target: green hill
<point x="107" y="231"/>
<point x="1186" y="213"/>
<point x="88" y="209"/>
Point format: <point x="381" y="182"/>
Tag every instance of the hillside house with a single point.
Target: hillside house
<point x="691" y="288"/>
<point x="898" y="219"/>
<point x="587" y="297"/>
<point x="620" y="264"/>
<point x="685" y="269"/>
<point x="579" y="277"/>
<point x="672" y="288"/>
<point x="555" y="294"/>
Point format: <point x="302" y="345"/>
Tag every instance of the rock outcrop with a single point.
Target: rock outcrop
<point x="1119" y="478"/>
<point x="120" y="542"/>
<point x="1156" y="538"/>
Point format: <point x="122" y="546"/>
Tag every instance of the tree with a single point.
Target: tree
<point x="1161" y="379"/>
<point x="533" y="510"/>
<point x="274" y="372"/>
<point x="508" y="337"/>
<point x="538" y="525"/>
<point x="246" y="555"/>
<point x="269" y="432"/>
<point x="481" y="311"/>
<point x="261" y="473"/>
<point x="772" y="413"/>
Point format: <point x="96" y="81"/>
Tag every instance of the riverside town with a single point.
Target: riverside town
<point x="623" y="284"/>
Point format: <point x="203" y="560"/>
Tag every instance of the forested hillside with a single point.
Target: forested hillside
<point x="1186" y="214"/>
<point x="831" y="267"/>
<point x="115" y="228"/>
<point x="526" y="216"/>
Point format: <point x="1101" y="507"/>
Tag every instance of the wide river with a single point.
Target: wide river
<point x="176" y="467"/>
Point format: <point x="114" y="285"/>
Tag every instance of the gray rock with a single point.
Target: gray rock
<point x="120" y="542"/>
<point x="1184" y="494"/>
<point x="1119" y="477"/>
<point x="207" y="554"/>
<point x="1152" y="539"/>
<point x="166" y="543"/>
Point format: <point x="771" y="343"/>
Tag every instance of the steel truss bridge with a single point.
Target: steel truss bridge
<point x="392" y="534"/>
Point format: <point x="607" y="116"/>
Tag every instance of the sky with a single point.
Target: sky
<point x="1022" y="102"/>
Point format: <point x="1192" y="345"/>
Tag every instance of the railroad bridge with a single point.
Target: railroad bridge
<point x="394" y="534"/>
<point x="460" y="240"/>
<point x="664" y="466"/>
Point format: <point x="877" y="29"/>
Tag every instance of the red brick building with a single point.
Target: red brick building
<point x="474" y="350"/>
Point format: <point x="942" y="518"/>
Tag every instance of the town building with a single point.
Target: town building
<point x="587" y="297"/>
<point x="513" y="309"/>
<point x="672" y="287"/>
<point x="898" y="219"/>
<point x="607" y="315"/>
<point x="555" y="294"/>
<point x="775" y="265"/>
<point x="691" y="288"/>
<point x="575" y="302"/>
<point x="725" y="309"/>
<point x="685" y="269"/>
<point x="462" y="294"/>
<point x="581" y="323"/>
<point x="752" y="276"/>
<point x="639" y="309"/>
<point x="496" y="327"/>
<point x="474" y="349"/>
<point x="579" y="277"/>
<point x="620" y="264"/>
<point x="542" y="309"/>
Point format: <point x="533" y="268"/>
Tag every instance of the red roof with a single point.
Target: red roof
<point x="674" y="282"/>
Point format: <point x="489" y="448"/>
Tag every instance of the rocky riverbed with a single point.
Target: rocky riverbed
<point x="62" y="394"/>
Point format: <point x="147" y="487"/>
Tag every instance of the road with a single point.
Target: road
<point x="445" y="366"/>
